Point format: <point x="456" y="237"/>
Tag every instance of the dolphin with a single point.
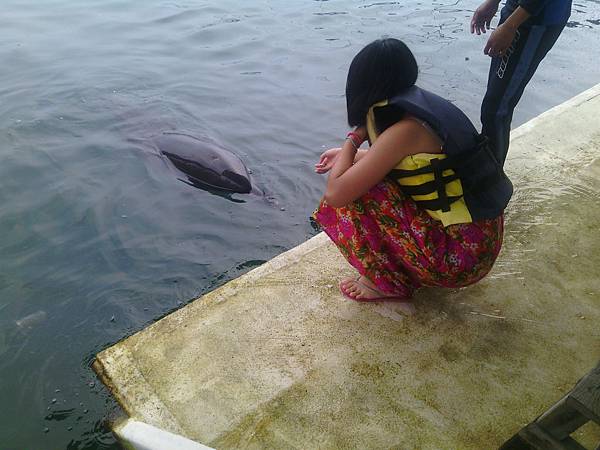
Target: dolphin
<point x="205" y="164"/>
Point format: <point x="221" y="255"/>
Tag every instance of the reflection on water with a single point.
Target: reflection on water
<point x="99" y="239"/>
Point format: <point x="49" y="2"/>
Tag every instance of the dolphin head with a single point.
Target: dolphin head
<point x="205" y="164"/>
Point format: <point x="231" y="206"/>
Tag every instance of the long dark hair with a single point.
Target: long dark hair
<point x="383" y="68"/>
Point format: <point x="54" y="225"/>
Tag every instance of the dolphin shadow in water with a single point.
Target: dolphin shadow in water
<point x="205" y="164"/>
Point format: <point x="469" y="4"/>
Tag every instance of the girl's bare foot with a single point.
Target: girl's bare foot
<point x="362" y="289"/>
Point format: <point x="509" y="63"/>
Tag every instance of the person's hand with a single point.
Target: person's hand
<point x="483" y="16"/>
<point x="327" y="160"/>
<point x="500" y="40"/>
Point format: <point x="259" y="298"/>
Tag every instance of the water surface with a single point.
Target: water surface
<point x="97" y="236"/>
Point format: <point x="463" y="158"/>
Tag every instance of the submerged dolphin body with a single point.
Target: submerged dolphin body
<point x="206" y="165"/>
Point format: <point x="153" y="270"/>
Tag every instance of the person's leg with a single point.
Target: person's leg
<point x="363" y="232"/>
<point x="507" y="80"/>
<point x="499" y="78"/>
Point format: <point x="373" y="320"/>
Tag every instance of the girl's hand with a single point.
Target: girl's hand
<point x="327" y="160"/>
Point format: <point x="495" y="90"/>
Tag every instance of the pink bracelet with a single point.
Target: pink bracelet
<point x="355" y="138"/>
<point x="353" y="144"/>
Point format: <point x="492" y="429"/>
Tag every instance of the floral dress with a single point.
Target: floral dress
<point x="400" y="247"/>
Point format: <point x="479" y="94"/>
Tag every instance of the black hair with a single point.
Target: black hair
<point x="382" y="69"/>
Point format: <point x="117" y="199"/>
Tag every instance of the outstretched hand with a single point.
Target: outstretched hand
<point x="329" y="157"/>
<point x="482" y="18"/>
<point x="327" y="160"/>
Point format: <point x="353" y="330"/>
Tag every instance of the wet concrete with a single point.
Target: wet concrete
<point x="279" y="359"/>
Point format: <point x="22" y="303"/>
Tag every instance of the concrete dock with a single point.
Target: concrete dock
<point x="279" y="359"/>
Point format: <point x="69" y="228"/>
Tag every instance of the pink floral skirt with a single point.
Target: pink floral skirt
<point x="399" y="247"/>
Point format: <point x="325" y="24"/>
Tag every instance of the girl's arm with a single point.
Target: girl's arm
<point x="347" y="182"/>
<point x="359" y="154"/>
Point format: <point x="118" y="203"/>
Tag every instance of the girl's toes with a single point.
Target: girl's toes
<point x="346" y="281"/>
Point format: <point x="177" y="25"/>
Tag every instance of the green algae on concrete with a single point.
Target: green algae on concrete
<point x="279" y="359"/>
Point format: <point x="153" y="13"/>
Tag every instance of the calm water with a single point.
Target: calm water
<point x="99" y="239"/>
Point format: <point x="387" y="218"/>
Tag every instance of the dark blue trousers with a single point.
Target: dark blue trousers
<point x="508" y="77"/>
